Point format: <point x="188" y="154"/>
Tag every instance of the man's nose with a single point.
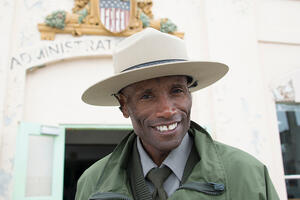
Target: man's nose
<point x="165" y="107"/>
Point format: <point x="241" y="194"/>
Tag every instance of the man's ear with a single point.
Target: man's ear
<point x="123" y="105"/>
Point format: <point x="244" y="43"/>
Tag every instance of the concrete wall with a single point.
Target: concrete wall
<point x="251" y="37"/>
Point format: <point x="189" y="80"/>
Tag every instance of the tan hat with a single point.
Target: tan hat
<point x="151" y="54"/>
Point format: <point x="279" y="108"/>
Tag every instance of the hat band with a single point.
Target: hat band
<point x="152" y="63"/>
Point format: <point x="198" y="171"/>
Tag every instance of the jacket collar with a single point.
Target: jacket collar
<point x="210" y="168"/>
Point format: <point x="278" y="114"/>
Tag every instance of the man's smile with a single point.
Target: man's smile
<point x="166" y="127"/>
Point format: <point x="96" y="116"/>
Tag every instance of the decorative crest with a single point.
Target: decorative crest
<point x="105" y="17"/>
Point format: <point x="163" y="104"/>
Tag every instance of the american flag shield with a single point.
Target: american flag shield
<point x="115" y="14"/>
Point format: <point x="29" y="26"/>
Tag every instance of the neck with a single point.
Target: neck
<point x="157" y="156"/>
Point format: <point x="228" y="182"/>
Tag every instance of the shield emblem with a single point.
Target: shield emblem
<point x="115" y="14"/>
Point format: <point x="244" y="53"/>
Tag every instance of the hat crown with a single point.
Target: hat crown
<point x="147" y="46"/>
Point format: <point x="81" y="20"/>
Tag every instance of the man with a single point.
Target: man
<point x="167" y="156"/>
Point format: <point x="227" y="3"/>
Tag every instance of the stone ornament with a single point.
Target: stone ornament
<point x="286" y="89"/>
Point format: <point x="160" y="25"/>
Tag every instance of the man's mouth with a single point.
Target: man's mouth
<point x="163" y="128"/>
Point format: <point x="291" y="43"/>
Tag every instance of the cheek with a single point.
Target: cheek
<point x="190" y="101"/>
<point x="136" y="118"/>
<point x="186" y="105"/>
<point x="138" y="112"/>
<point x="189" y="107"/>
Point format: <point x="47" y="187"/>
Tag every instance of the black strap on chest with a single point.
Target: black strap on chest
<point x="139" y="188"/>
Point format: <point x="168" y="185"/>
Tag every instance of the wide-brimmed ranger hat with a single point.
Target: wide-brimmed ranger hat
<point x="151" y="54"/>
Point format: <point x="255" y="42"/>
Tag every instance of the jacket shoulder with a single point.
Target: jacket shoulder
<point x="245" y="174"/>
<point x="88" y="180"/>
<point x="232" y="155"/>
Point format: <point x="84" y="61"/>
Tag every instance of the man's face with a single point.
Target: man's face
<point x="159" y="109"/>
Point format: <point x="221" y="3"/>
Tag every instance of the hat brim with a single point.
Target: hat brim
<point x="206" y="73"/>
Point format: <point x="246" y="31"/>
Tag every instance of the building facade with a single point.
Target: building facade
<point x="48" y="135"/>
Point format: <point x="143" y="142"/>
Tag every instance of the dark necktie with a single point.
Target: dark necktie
<point x="158" y="176"/>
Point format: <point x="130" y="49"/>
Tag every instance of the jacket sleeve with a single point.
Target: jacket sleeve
<point x="270" y="190"/>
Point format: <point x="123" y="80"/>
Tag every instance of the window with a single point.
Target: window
<point x="289" y="127"/>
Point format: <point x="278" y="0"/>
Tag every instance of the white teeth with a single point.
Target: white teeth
<point x="172" y="126"/>
<point x="166" y="128"/>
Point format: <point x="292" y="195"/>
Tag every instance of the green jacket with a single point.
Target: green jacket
<point x="223" y="172"/>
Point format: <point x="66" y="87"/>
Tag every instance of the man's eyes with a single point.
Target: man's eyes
<point x="151" y="96"/>
<point x="177" y="90"/>
<point x="146" y="96"/>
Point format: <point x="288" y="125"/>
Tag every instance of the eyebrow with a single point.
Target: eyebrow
<point x="178" y="85"/>
<point x="145" y="91"/>
<point x="173" y="85"/>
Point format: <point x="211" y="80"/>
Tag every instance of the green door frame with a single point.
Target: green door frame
<point x="20" y="170"/>
<point x="21" y="159"/>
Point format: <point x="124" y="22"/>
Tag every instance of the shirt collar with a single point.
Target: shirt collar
<point x="176" y="160"/>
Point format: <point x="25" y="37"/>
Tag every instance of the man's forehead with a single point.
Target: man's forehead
<point x="178" y="79"/>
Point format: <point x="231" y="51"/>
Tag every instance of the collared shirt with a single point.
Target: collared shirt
<point x="176" y="161"/>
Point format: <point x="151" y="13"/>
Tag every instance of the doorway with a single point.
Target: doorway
<point x="83" y="147"/>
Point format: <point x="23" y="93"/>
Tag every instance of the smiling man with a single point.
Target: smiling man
<point x="166" y="156"/>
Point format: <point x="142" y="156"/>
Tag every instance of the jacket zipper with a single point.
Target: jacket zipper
<point x="108" y="196"/>
<point x="207" y="188"/>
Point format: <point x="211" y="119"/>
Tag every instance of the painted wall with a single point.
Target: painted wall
<point x="6" y="21"/>
<point x="239" y="110"/>
<point x="62" y="84"/>
<point x="278" y="50"/>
